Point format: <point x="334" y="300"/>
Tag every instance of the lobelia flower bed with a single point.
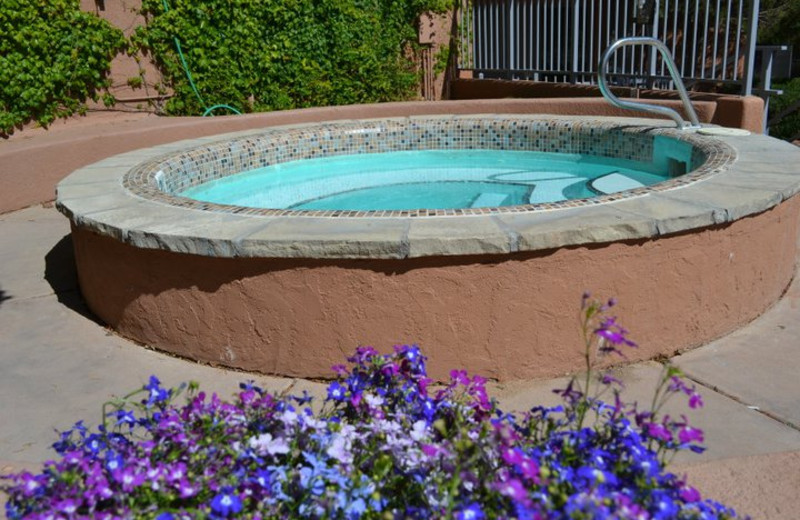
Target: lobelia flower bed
<point x="386" y="444"/>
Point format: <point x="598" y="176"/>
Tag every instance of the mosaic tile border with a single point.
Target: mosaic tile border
<point x="160" y="178"/>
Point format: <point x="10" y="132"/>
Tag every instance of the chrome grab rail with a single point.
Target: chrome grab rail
<point x="646" y="107"/>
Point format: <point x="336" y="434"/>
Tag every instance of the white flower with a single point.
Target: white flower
<point x="373" y="400"/>
<point x="288" y="418"/>
<point x="340" y="449"/>
<point x="419" y="431"/>
<point x="264" y="443"/>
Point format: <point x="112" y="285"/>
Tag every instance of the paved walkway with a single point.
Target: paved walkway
<point x="58" y="365"/>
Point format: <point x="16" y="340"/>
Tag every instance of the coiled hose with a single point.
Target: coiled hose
<point x="209" y="110"/>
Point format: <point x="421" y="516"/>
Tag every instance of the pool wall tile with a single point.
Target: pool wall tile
<point x="163" y="178"/>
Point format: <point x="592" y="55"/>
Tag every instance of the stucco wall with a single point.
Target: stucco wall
<point x="124" y="14"/>
<point x="505" y="316"/>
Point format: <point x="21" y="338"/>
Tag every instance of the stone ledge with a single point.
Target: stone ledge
<point x="761" y="177"/>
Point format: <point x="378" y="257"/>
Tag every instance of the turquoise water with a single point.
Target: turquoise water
<point x="431" y="179"/>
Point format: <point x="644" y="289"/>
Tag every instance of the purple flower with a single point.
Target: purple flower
<point x="513" y="489"/>
<point x="688" y="434"/>
<point x="128" y="478"/>
<point x="376" y="452"/>
<point x="459" y="377"/>
<point x="658" y="431"/>
<point x="690" y="494"/>
<point x="511" y="455"/>
<point x="68" y="506"/>
<point x="226" y="503"/>
<point x="186" y="489"/>
<point x="616" y="335"/>
<point x="529" y="469"/>
<point x="695" y="400"/>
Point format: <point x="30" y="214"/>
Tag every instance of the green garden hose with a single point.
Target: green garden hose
<point x="209" y="109"/>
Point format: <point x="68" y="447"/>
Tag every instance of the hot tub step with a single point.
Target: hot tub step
<point x="614" y="182"/>
<point x="489" y="200"/>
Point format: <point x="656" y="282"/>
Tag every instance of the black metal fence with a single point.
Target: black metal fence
<point x="712" y="41"/>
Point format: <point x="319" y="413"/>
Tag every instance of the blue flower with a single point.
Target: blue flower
<point x="336" y="392"/>
<point x="471" y="512"/>
<point x="156" y="394"/>
<point x="262" y="478"/>
<point x="125" y="417"/>
<point x="226" y="503"/>
<point x="114" y="461"/>
<point x="663" y="506"/>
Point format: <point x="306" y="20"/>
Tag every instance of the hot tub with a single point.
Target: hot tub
<point x="494" y="289"/>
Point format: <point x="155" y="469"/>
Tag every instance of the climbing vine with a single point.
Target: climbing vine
<point x="53" y="57"/>
<point x="256" y="55"/>
<point x="259" y="55"/>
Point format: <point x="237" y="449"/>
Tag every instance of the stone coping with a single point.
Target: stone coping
<point x="754" y="173"/>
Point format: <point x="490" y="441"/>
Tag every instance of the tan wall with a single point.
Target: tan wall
<point x="732" y="111"/>
<point x="124" y="14"/>
<point x="505" y="316"/>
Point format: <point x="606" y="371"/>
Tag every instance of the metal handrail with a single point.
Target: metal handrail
<point x="646" y="107"/>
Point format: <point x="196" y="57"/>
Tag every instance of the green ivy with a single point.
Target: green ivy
<point x="260" y="55"/>
<point x="53" y="57"/>
<point x="789" y="125"/>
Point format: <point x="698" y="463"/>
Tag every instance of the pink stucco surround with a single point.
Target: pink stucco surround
<point x="504" y="316"/>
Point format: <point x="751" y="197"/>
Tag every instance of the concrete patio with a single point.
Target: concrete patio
<point x="58" y="365"/>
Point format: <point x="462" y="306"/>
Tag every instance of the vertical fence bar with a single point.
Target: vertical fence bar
<point x="665" y="36"/>
<point x="559" y="39"/>
<point x="750" y="56"/>
<point x="726" y="40"/>
<point x="674" y="28"/>
<point x="491" y="28"/>
<point x="653" y="50"/>
<point x="716" y="41"/>
<point x="625" y="11"/>
<point x="532" y="31"/>
<point x="545" y="36"/>
<point x="685" y="37"/>
<point x="591" y="32"/>
<point x="512" y="40"/>
<point x="584" y="58"/>
<point x="739" y="32"/>
<point x="705" y="42"/>
<point x="461" y="64"/>
<point x="479" y="45"/>
<point x="694" y="36"/>
<point x="576" y="17"/>
<point x="536" y="25"/>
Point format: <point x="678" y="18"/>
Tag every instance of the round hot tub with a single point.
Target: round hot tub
<point x="274" y="272"/>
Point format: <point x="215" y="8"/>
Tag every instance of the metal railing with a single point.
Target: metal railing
<point x="712" y="41"/>
<point x="647" y="107"/>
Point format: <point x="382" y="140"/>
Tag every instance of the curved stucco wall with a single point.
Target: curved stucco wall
<point x="504" y="316"/>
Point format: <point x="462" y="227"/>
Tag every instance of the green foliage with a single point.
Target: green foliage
<point x="789" y="125"/>
<point x="441" y="60"/>
<point x="259" y="55"/>
<point x="779" y="23"/>
<point x="52" y="58"/>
